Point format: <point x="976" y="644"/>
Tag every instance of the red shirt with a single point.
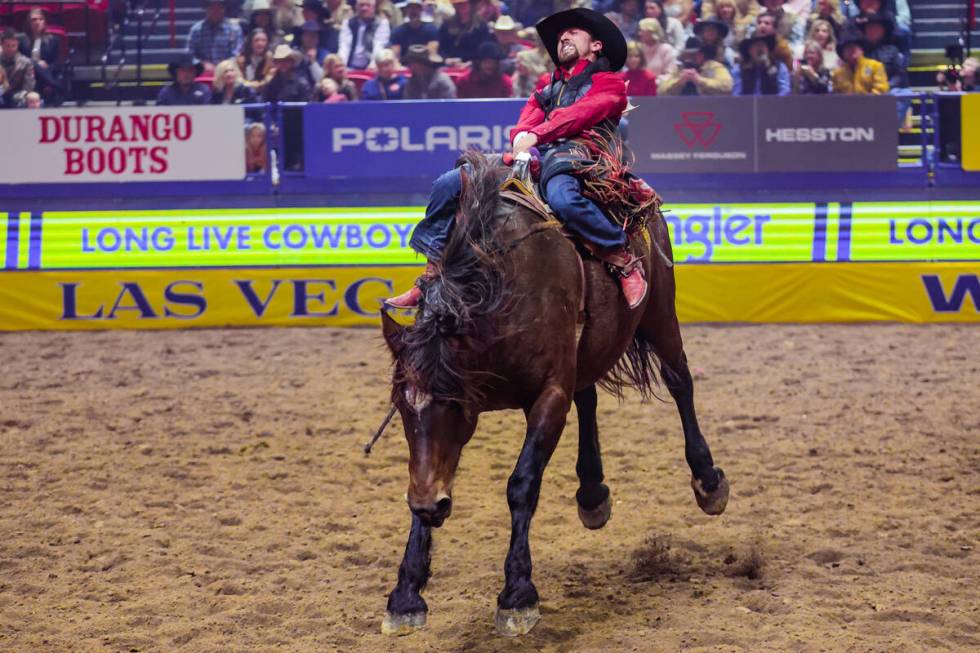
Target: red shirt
<point x="605" y="99"/>
<point x="640" y="82"/>
<point x="473" y="85"/>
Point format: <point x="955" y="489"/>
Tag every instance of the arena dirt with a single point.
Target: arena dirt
<point x="206" y="491"/>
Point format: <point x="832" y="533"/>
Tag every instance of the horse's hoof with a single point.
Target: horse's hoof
<point x="598" y="516"/>
<point x="402" y="624"/>
<point x="514" y="623"/>
<point x="713" y="503"/>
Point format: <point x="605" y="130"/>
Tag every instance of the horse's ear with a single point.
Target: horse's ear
<point x="393" y="333"/>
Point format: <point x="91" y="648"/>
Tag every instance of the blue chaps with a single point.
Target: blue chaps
<point x="563" y="193"/>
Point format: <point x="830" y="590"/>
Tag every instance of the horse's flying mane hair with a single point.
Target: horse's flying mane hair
<point x="463" y="303"/>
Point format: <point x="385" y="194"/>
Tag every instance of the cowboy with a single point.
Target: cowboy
<point x="856" y="74"/>
<point x="585" y="92"/>
<point x="184" y="90"/>
<point x="758" y="73"/>
<point x="427" y="81"/>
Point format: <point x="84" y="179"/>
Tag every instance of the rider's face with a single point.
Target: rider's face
<point x="575" y="44"/>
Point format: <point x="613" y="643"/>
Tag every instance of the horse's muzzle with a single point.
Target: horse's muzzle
<point x="434" y="514"/>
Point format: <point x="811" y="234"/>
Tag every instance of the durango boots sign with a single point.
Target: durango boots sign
<point x="123" y="144"/>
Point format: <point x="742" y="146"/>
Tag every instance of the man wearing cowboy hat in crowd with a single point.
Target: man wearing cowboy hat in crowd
<point x="184" y="90"/>
<point x="287" y="85"/>
<point x="485" y="79"/>
<point x="712" y="33"/>
<point x="215" y="38"/>
<point x="414" y="31"/>
<point x="328" y="36"/>
<point x="697" y="74"/>
<point x="758" y="73"/>
<point x="585" y="92"/>
<point x="505" y="31"/>
<point x="857" y="74"/>
<point x="427" y="81"/>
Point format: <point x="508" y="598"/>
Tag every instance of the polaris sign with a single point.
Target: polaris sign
<point x="431" y="139"/>
<point x="420" y="139"/>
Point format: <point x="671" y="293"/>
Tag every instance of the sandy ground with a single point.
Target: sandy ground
<point x="205" y="491"/>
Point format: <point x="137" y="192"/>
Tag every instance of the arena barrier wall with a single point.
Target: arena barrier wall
<point x="785" y="262"/>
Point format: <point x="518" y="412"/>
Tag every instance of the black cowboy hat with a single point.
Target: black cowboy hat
<point x="884" y="19"/>
<point x="743" y="47"/>
<point x="693" y="45"/>
<point x="421" y="54"/>
<point x="315" y="5"/>
<point x="600" y="27"/>
<point x="489" y="50"/>
<point x="849" y="38"/>
<point x="721" y="26"/>
<point x="185" y="60"/>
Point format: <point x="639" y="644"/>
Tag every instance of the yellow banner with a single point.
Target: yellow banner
<point x="970" y="130"/>
<point x="348" y="296"/>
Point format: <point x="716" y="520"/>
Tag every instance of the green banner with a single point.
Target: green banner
<point x="915" y="231"/>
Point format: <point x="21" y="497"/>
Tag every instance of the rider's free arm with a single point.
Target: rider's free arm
<point x="606" y="99"/>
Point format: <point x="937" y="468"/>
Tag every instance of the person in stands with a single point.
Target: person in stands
<point x="18" y="72"/>
<point x="857" y="74"/>
<point x="414" y="31"/>
<point x="485" y="79"/>
<point x="287" y="85"/>
<point x="228" y="88"/>
<point x="698" y="74"/>
<point x="661" y="57"/>
<point x="639" y="80"/>
<point x="363" y="37"/>
<point x="461" y="36"/>
<point x="387" y="84"/>
<point x="812" y="77"/>
<point x="184" y="90"/>
<point x="215" y="38"/>
<point x="427" y="81"/>
<point x="255" y="62"/>
<point x="44" y="49"/>
<point x="758" y="73"/>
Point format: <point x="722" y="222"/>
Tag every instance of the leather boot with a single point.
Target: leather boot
<point x="632" y="280"/>
<point x="411" y="298"/>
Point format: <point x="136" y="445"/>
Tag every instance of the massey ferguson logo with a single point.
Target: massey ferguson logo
<point x="697" y="128"/>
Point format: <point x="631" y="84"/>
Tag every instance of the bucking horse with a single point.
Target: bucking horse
<point x="521" y="316"/>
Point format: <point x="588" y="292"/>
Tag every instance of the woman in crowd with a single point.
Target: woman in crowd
<point x="256" y="152"/>
<point x="661" y="57"/>
<point x="334" y="68"/>
<point x="673" y="30"/>
<point x="727" y="12"/>
<point x="286" y="16"/>
<point x="462" y="35"/>
<point x="530" y="68"/>
<point x="828" y="10"/>
<point x="822" y="33"/>
<point x="813" y="76"/>
<point x="261" y="18"/>
<point x="227" y="87"/>
<point x="683" y="11"/>
<point x="626" y="16"/>
<point x="255" y="62"/>
<point x="639" y="80"/>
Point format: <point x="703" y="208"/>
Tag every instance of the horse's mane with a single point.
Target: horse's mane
<point x="462" y="306"/>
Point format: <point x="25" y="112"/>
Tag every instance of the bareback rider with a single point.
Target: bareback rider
<point x="585" y="92"/>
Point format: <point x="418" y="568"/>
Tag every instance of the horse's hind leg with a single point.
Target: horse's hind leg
<point x="594" y="507"/>
<point x="517" y="604"/>
<point x="661" y="330"/>
<point x="406" y="608"/>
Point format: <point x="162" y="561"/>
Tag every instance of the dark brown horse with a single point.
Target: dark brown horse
<point x="498" y="329"/>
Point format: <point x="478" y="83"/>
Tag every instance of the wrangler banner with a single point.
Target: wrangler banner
<point x="348" y="296"/>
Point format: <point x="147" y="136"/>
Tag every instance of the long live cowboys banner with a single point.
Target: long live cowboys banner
<point x="348" y="296"/>
<point x="122" y="144"/>
<point x="667" y="135"/>
<point x="700" y="233"/>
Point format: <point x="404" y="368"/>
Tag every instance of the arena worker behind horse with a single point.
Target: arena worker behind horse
<point x="514" y="313"/>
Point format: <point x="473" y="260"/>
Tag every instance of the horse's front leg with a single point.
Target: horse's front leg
<point x="406" y="608"/>
<point x="517" y="605"/>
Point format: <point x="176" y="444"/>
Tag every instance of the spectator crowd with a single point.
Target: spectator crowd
<point x="375" y="50"/>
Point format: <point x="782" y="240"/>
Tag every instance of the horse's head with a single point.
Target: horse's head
<point x="436" y="430"/>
